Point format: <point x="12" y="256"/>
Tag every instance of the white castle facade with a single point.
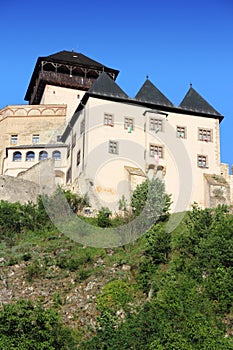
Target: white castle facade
<point x="103" y="143"/>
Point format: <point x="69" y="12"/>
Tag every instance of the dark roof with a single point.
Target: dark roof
<point x="67" y="58"/>
<point x="194" y="102"/>
<point x="150" y="93"/>
<point x="105" y="86"/>
<point x="75" y="58"/>
<point x="49" y="145"/>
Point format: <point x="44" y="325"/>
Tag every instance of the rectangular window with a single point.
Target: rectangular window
<point x="156" y="124"/>
<point x="108" y="119"/>
<point x="68" y="175"/>
<point x="205" y="135"/>
<point x="35" y="138"/>
<point x="113" y="147"/>
<point x="74" y="140"/>
<point x="181" y="132"/>
<point x="156" y="150"/>
<point x="82" y="127"/>
<point x="129" y="125"/>
<point x="68" y="151"/>
<point x="202" y="161"/>
<point x="14" y="139"/>
<point x="78" y="157"/>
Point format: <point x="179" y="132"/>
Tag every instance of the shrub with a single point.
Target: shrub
<point x="103" y="217"/>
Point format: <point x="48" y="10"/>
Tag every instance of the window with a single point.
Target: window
<point x="108" y="120"/>
<point x="56" y="155"/>
<point x="202" y="161"/>
<point x="129" y="125"/>
<point x="68" y="175"/>
<point x="14" y="139"/>
<point x="78" y="158"/>
<point x="35" y="138"/>
<point x="59" y="138"/>
<point x="82" y="127"/>
<point x="156" y="124"/>
<point x="181" y="132"/>
<point x="43" y="155"/>
<point x="156" y="150"/>
<point x="17" y="156"/>
<point x="30" y="156"/>
<point x="74" y="140"/>
<point x="205" y="135"/>
<point x="113" y="147"/>
<point x="68" y="151"/>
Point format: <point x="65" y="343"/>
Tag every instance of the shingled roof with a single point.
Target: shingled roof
<point x="195" y="102"/>
<point x="75" y="58"/>
<point x="150" y="93"/>
<point x="105" y="86"/>
<point x="64" y="60"/>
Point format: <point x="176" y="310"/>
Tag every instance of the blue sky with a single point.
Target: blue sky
<point x="175" y="43"/>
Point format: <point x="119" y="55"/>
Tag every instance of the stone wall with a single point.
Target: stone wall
<point x="13" y="189"/>
<point x="41" y="174"/>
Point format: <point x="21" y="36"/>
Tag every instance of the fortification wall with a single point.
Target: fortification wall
<point x="13" y="189"/>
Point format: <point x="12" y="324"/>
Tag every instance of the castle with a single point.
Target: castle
<point x="102" y="143"/>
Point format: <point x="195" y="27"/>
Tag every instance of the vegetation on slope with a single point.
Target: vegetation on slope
<point x="166" y="291"/>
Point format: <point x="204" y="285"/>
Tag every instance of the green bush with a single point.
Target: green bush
<point x="103" y="217"/>
<point x="25" y="326"/>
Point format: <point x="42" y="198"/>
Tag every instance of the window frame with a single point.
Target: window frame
<point x="203" y="163"/>
<point x="28" y="156"/>
<point x="128" y="122"/>
<point x="160" y="150"/>
<point x="156" y="124"/>
<point x="112" y="143"/>
<point x="181" y="130"/>
<point x="42" y="157"/>
<point x="205" y="135"/>
<point x="35" y="138"/>
<point x="58" y="152"/>
<point x="14" y="139"/>
<point x="17" y="159"/>
<point x="78" y="159"/>
<point x="108" y="119"/>
<point x="82" y="126"/>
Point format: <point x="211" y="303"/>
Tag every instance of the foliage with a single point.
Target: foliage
<point x="16" y="219"/>
<point x="103" y="217"/>
<point x="191" y="274"/>
<point x="158" y="244"/>
<point x="24" y="326"/>
<point x="150" y="196"/>
<point x="122" y="203"/>
<point x="116" y="295"/>
<point x="75" y="201"/>
<point x="177" y="294"/>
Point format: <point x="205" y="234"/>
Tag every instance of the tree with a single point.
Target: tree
<point x="25" y="326"/>
<point x="151" y="198"/>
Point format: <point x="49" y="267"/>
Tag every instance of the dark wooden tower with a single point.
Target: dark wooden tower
<point x="66" y="69"/>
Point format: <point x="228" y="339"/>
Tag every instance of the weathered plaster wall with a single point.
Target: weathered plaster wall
<point x="18" y="190"/>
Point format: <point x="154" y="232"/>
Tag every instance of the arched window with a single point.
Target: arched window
<point x="56" y="155"/>
<point x="43" y="155"/>
<point x="30" y="156"/>
<point x="17" y="156"/>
